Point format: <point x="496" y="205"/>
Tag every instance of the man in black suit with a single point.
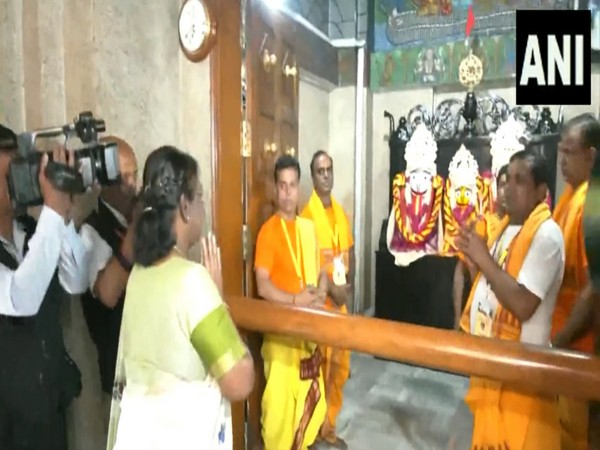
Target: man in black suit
<point x="108" y="233"/>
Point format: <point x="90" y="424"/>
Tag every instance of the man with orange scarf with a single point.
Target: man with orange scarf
<point x="337" y="258"/>
<point x="288" y="271"/>
<point x="513" y="296"/>
<point x="572" y="324"/>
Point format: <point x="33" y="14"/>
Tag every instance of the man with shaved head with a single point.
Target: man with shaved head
<point x="120" y="196"/>
<point x="109" y="236"/>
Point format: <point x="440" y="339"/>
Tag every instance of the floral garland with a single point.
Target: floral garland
<point x="451" y="225"/>
<point x="417" y="237"/>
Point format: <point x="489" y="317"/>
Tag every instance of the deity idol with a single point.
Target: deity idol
<point x="466" y="197"/>
<point x="415" y="219"/>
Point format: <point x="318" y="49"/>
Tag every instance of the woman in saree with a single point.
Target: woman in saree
<point x="181" y="359"/>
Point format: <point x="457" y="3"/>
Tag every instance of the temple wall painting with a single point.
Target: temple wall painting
<point x="419" y="43"/>
<point x="337" y="19"/>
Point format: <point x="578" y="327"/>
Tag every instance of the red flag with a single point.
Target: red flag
<point x="470" y="21"/>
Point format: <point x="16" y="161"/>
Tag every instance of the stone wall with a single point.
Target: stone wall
<point x="121" y="60"/>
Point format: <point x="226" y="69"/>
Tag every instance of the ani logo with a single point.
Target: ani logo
<point x="554" y="57"/>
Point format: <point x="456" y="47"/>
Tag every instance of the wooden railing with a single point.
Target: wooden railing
<point x="534" y="368"/>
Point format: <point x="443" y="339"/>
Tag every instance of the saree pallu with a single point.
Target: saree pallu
<point x="185" y="416"/>
<point x="176" y="414"/>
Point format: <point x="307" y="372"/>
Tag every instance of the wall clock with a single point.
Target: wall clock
<point x="197" y="29"/>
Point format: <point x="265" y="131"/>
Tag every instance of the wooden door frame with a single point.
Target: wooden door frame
<point x="226" y="170"/>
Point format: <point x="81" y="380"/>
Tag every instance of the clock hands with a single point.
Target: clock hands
<point x="189" y="36"/>
<point x="196" y="29"/>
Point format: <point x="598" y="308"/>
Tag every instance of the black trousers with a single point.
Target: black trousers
<point x="30" y="414"/>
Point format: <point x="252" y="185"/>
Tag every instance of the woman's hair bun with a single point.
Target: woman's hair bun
<point x="161" y="193"/>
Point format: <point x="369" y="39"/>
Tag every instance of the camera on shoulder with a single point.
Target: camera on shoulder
<point x="95" y="162"/>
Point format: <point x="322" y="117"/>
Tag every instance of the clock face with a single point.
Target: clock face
<point x="193" y="25"/>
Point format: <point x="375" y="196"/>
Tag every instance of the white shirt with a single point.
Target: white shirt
<point x="53" y="244"/>
<point x="99" y="250"/>
<point x="541" y="274"/>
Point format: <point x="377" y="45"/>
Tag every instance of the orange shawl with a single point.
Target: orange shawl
<point x="505" y="325"/>
<point x="315" y="211"/>
<point x="504" y="417"/>
<point x="331" y="225"/>
<point x="569" y="216"/>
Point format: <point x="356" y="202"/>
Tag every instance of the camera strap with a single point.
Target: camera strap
<point x="28" y="224"/>
<point x="6" y="258"/>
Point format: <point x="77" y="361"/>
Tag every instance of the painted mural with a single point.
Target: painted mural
<point x="421" y="42"/>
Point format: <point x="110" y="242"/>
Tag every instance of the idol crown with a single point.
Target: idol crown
<point x="463" y="168"/>
<point x="421" y="151"/>
<point x="506" y="142"/>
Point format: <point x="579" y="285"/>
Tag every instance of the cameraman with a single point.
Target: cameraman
<point x="39" y="266"/>
<point x="110" y="240"/>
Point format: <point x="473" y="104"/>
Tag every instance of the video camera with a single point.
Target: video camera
<point x="95" y="162"/>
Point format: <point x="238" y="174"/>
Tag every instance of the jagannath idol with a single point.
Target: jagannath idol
<point x="415" y="220"/>
<point x="466" y="197"/>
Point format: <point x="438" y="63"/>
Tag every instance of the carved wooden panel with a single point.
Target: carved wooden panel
<point x="273" y="116"/>
<point x="288" y="96"/>
<point x="265" y="62"/>
<point x="272" y="104"/>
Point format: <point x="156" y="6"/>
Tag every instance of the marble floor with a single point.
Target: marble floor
<point x="393" y="406"/>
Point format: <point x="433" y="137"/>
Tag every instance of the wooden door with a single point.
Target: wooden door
<point x="272" y="114"/>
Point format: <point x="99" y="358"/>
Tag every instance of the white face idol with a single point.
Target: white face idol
<point x="193" y="25"/>
<point x="420" y="181"/>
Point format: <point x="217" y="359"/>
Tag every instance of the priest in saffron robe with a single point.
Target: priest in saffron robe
<point x="337" y="258"/>
<point x="513" y="297"/>
<point x="572" y="325"/>
<point x="287" y="269"/>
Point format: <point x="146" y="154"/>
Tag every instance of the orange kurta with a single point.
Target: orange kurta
<point x="568" y="214"/>
<point x="293" y="402"/>
<point x="272" y="254"/>
<point x="335" y="240"/>
<point x="504" y="417"/>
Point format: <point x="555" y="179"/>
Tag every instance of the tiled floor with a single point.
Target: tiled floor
<point x="392" y="406"/>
